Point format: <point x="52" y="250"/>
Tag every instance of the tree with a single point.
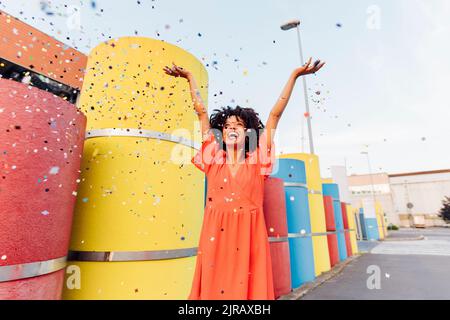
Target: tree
<point x="444" y="213"/>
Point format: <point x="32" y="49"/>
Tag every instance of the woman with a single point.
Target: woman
<point x="233" y="261"/>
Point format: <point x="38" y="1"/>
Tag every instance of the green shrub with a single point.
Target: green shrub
<point x="392" y="227"/>
<point x="444" y="213"/>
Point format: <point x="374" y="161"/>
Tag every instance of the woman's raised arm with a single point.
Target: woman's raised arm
<point x="280" y="105"/>
<point x="199" y="106"/>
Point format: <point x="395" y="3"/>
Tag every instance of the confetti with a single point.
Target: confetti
<point x="54" y="170"/>
<point x="45" y="213"/>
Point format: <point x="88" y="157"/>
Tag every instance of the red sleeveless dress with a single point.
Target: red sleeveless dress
<point x="233" y="258"/>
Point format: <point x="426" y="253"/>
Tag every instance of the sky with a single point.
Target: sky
<point x="383" y="89"/>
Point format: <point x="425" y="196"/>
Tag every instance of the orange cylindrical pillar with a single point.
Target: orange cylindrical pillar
<point x="331" y="229"/>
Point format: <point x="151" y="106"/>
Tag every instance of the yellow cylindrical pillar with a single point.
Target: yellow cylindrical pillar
<point x="380" y="220"/>
<point x="317" y="210"/>
<point x="140" y="200"/>
<point x="352" y="226"/>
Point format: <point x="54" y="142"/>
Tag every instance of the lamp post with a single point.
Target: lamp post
<point x="370" y="173"/>
<point x="287" y="26"/>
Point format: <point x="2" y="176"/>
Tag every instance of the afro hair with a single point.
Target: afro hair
<point x="248" y="115"/>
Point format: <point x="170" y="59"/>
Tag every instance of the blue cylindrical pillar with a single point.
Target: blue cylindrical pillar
<point x="362" y="224"/>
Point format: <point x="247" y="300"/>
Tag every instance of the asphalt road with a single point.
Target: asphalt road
<point x="392" y="270"/>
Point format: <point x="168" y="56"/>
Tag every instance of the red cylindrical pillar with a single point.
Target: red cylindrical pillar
<point x="331" y="227"/>
<point x="348" y="243"/>
<point x="276" y="223"/>
<point x="41" y="142"/>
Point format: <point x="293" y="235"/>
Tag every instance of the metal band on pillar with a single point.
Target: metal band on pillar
<point x="278" y="239"/>
<point x="32" y="269"/>
<point x="295" y="184"/>
<point x="140" y="133"/>
<point x="111" y="256"/>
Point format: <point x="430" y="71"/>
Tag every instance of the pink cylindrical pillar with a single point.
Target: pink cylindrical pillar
<point x="41" y="142"/>
<point x="276" y="223"/>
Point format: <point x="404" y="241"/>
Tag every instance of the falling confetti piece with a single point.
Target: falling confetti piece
<point x="45" y="213"/>
<point x="339" y="25"/>
<point x="54" y="170"/>
<point x="4" y="257"/>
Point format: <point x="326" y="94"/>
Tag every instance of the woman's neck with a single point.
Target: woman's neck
<point x="235" y="155"/>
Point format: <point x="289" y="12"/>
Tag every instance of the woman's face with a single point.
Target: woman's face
<point x="234" y="131"/>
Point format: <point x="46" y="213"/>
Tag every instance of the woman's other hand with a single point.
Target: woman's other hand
<point x="309" y="68"/>
<point x="177" y="71"/>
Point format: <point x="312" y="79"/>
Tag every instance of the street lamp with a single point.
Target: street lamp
<point x="370" y="173"/>
<point x="373" y="189"/>
<point x="287" y="26"/>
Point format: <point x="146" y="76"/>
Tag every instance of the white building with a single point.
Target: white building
<point x="419" y="194"/>
<point x="408" y="199"/>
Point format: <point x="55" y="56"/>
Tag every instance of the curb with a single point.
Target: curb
<point x="298" y="293"/>
<point x="405" y="239"/>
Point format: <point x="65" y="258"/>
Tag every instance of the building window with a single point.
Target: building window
<point x="12" y="71"/>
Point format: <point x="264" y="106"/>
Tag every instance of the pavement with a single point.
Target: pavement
<point x="400" y="268"/>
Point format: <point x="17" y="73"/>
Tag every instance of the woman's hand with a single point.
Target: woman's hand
<point x="308" y="68"/>
<point x="177" y="71"/>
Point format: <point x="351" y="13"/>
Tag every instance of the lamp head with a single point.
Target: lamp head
<point x="290" y="24"/>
